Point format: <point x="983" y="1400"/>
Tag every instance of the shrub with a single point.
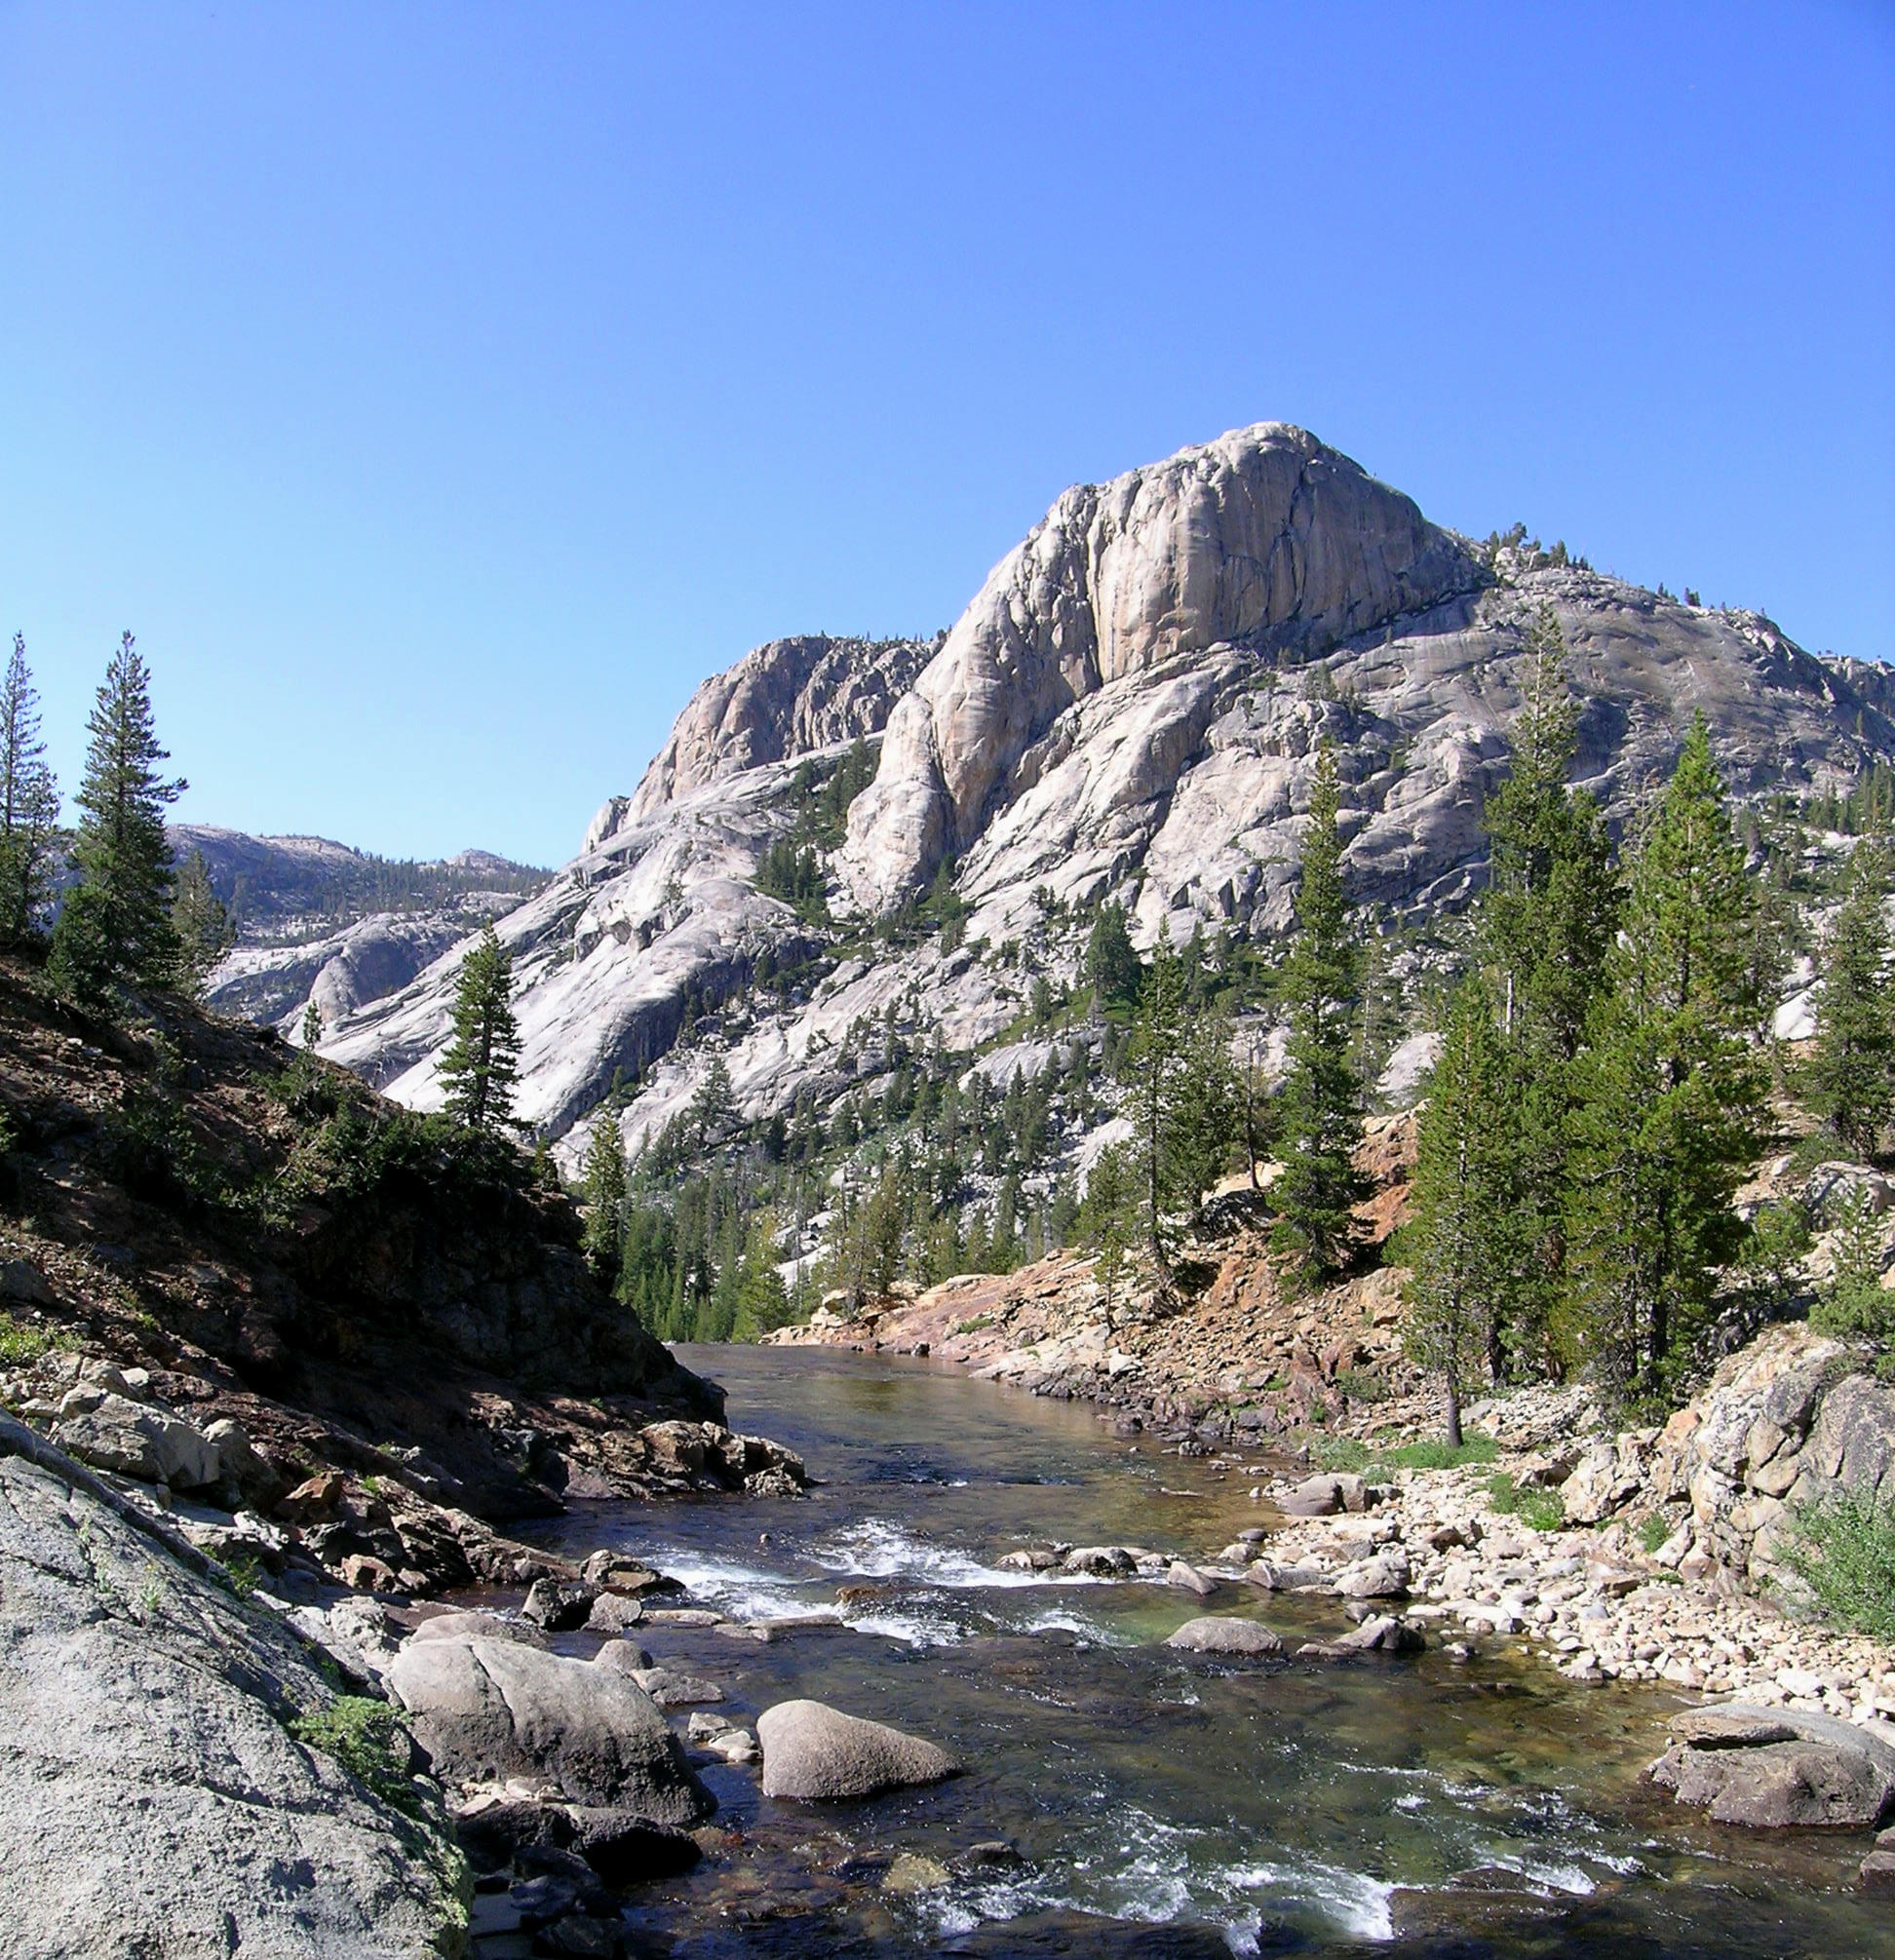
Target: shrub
<point x="367" y="1740"/>
<point x="1842" y="1548"/>
<point x="1654" y="1531"/>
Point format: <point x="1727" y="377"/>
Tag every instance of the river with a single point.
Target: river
<point x="1161" y="1804"/>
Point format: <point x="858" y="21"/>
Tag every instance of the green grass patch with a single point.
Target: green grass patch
<point x="1654" y="1532"/>
<point x="367" y="1740"/>
<point x="21" y="1345"/>
<point x="1537" y="1510"/>
<point x="974" y="1325"/>
<point x="1344" y="1453"/>
<point x="1842" y="1548"/>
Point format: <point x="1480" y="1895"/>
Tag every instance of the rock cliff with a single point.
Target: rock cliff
<point x="1129" y="708"/>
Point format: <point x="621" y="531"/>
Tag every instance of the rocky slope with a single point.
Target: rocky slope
<point x="317" y="921"/>
<point x="242" y="1276"/>
<point x="1129" y="709"/>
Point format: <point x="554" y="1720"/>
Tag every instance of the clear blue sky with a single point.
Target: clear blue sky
<point x="440" y="393"/>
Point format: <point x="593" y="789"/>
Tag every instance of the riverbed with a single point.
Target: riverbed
<point x="1150" y="1802"/>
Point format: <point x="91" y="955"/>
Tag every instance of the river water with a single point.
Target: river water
<point x="1161" y="1804"/>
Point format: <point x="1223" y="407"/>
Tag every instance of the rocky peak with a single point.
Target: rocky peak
<point x="782" y="700"/>
<point x="1265" y="535"/>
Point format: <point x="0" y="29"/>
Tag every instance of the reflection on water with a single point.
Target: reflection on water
<point x="1388" y="1806"/>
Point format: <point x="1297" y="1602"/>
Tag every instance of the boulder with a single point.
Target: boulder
<point x="1384" y="1576"/>
<point x="1221" y="1633"/>
<point x="155" y="1798"/>
<point x="476" y="1626"/>
<point x="671" y="1689"/>
<point x="622" y="1847"/>
<point x="1101" y="1561"/>
<point x="1188" y="1579"/>
<point x="1825" y="1773"/>
<point x="625" y="1657"/>
<point x="1324" y="1496"/>
<point x="614" y="1613"/>
<point x="143" y="1443"/>
<point x="558" y="1604"/>
<point x="813" y="1751"/>
<point x="484" y="1708"/>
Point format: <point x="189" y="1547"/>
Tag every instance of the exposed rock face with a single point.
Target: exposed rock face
<point x="152" y="1798"/>
<point x="811" y="1751"/>
<point x="1263" y="533"/>
<point x="1129" y="708"/>
<point x="1782" y="1423"/>
<point x="481" y="1707"/>
<point x="788" y="698"/>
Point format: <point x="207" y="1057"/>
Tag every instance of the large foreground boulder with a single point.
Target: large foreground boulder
<point x="154" y="1797"/>
<point x="812" y="1750"/>
<point x="1777" y="1768"/>
<point x="484" y="1708"/>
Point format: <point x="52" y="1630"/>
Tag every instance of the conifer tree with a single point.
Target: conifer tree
<point x="482" y="1059"/>
<point x="116" y="923"/>
<point x="1546" y="924"/>
<point x="201" y="923"/>
<point x="1464" y="1228"/>
<point x="714" y="1106"/>
<point x="605" y="1196"/>
<point x="1112" y="968"/>
<point x="1154" y="1058"/>
<point x="1321" y="1098"/>
<point x="1670" y="1092"/>
<point x="29" y="805"/>
<point x="1852" y="1073"/>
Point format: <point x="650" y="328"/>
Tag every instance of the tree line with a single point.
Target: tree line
<point x="1601" y="1088"/>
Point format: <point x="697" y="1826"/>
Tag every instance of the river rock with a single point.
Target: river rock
<point x="1188" y="1579"/>
<point x="558" y="1604"/>
<point x="476" y="1625"/>
<point x="1101" y="1561"/>
<point x="811" y="1751"/>
<point x="1827" y="1774"/>
<point x="625" y="1657"/>
<point x="1877" y="1870"/>
<point x="496" y="1707"/>
<point x="614" y="1613"/>
<point x="1323" y="1496"/>
<point x="671" y="1689"/>
<point x="1221" y="1633"/>
<point x="150" y="1778"/>
<point x="143" y="1443"/>
<point x="1384" y="1576"/>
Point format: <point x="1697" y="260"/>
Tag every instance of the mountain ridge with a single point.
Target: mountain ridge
<point x="1130" y="708"/>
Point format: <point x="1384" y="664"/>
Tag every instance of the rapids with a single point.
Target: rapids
<point x="1160" y="1804"/>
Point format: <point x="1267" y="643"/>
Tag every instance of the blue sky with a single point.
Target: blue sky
<point x="440" y="392"/>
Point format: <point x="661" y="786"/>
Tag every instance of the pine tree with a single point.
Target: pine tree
<point x="1464" y="1227"/>
<point x="1670" y="1093"/>
<point x="29" y="805"/>
<point x="1321" y="1098"/>
<point x="482" y="1059"/>
<point x="201" y="923"/>
<point x="116" y="923"/>
<point x="1546" y="925"/>
<point x="605" y="1196"/>
<point x="1852" y="1073"/>
<point x="1112" y="970"/>
<point x="714" y="1108"/>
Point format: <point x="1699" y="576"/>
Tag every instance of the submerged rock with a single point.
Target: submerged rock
<point x="811" y="1751"/>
